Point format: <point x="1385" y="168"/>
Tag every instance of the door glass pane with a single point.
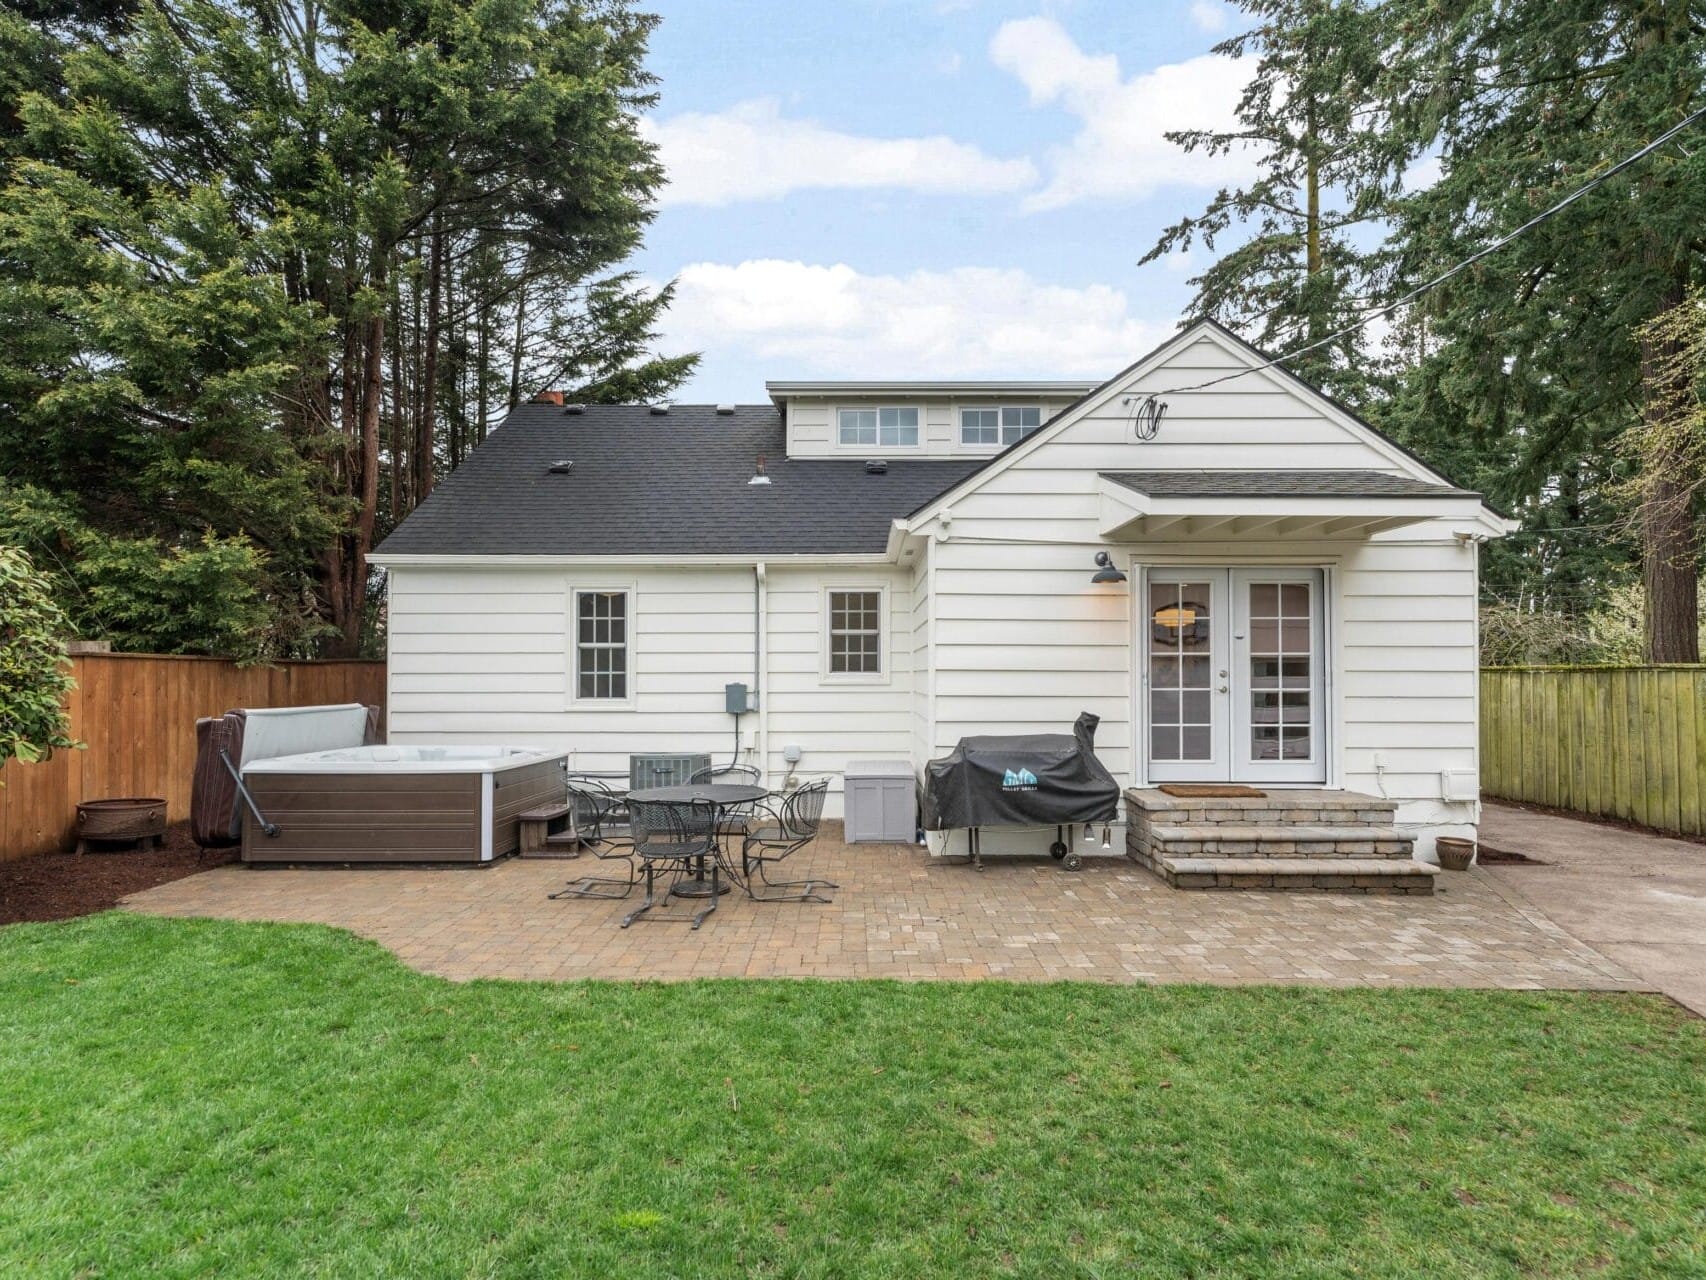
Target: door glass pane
<point x="1180" y="662"/>
<point x="1282" y="633"/>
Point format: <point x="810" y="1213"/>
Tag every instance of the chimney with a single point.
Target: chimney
<point x="549" y="397"/>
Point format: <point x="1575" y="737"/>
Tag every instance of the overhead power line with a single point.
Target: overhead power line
<point x="1387" y="308"/>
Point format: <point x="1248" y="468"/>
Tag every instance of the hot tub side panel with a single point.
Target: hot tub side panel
<point x="366" y="817"/>
<point x="515" y="791"/>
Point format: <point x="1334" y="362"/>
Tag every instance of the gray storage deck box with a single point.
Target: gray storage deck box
<point x="881" y="802"/>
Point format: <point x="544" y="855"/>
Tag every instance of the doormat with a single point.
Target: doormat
<point x="1209" y="790"/>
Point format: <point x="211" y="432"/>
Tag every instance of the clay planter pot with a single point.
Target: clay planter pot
<point x="129" y="818"/>
<point x="1454" y="853"/>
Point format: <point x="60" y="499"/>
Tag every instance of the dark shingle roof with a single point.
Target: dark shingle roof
<point x="1280" y="484"/>
<point x="671" y="484"/>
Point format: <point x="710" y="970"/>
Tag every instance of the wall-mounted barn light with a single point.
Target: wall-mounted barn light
<point x="1105" y="571"/>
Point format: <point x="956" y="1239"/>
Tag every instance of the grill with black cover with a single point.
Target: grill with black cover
<point x="1022" y="780"/>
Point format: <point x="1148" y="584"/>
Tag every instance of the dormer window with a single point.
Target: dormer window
<point x="998" y="427"/>
<point x="882" y="428"/>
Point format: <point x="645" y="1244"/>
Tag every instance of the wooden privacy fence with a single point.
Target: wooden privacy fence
<point x="137" y="713"/>
<point x="1619" y="742"/>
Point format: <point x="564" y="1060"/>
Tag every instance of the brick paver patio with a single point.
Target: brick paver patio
<point x="899" y="914"/>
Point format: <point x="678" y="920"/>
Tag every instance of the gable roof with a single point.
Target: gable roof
<point x="1279" y="484"/>
<point x="1181" y="339"/>
<point x="659" y="484"/>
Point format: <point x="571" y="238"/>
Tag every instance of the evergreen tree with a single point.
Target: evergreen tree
<point x="1305" y="259"/>
<point x="316" y="247"/>
<point x="1533" y="357"/>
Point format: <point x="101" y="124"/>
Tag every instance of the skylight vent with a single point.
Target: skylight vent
<point x="876" y="467"/>
<point x="725" y="410"/>
<point x="561" y="467"/>
<point x="574" y="408"/>
<point x="658" y="410"/>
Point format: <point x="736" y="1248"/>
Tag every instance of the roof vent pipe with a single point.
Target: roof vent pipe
<point x="725" y="411"/>
<point x="758" y="476"/>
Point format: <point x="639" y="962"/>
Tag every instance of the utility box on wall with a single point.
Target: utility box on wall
<point x="735" y="699"/>
<point x="881" y="802"/>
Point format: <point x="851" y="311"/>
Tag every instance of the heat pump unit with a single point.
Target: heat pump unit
<point x="673" y="770"/>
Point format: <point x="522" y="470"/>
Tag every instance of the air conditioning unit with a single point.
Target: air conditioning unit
<point x="672" y="770"/>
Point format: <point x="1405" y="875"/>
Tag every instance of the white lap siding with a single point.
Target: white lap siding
<point x="483" y="655"/>
<point x="833" y="721"/>
<point x="1023" y="641"/>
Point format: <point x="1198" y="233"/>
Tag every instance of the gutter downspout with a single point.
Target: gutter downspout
<point x="760" y="662"/>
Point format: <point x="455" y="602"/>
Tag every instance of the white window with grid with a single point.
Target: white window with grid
<point x="894" y="428"/>
<point x="854" y="633"/>
<point x="601" y="634"/>
<point x="998" y="427"/>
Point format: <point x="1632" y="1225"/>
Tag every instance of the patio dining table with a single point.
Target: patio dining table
<point x="721" y="796"/>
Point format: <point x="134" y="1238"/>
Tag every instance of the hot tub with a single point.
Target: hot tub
<point x="386" y="804"/>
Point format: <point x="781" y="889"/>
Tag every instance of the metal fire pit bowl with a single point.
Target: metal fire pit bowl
<point x="140" y="819"/>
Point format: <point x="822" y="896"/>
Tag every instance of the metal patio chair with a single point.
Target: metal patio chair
<point x="792" y="826"/>
<point x="599" y="817"/>
<point x="673" y="838"/>
<point x="735" y="818"/>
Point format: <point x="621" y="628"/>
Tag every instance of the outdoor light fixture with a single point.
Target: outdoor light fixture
<point x="1105" y="571"/>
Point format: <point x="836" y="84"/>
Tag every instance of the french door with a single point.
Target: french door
<point x="1232" y="673"/>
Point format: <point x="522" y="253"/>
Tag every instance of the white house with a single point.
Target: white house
<point x="890" y="566"/>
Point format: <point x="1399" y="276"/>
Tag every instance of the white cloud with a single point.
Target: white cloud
<point x="1422" y="174"/>
<point x="1209" y="15"/>
<point x="752" y="152"/>
<point x="800" y="318"/>
<point x="1119" y="151"/>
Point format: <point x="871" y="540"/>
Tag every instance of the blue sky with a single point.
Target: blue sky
<point x="915" y="188"/>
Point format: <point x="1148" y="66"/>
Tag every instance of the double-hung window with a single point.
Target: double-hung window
<point x="855" y="633"/>
<point x="601" y="646"/>
<point x="884" y="428"/>
<point x="998" y="427"/>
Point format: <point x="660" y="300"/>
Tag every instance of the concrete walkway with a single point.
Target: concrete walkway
<point x="1639" y="899"/>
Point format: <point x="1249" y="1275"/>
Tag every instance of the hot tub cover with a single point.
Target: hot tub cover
<point x="1022" y="780"/>
<point x="251" y="734"/>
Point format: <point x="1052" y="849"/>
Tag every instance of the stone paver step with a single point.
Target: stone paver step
<point x="1307" y="805"/>
<point x="1270" y="840"/>
<point x="1327" y="875"/>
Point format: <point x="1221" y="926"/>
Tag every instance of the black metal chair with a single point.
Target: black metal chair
<point x="793" y="826"/>
<point x="599" y="817"/>
<point x="674" y="839"/>
<point x="735" y="818"/>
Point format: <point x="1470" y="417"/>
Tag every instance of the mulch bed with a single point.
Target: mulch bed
<point x="58" y="886"/>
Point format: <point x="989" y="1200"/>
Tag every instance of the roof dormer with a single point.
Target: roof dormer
<point x="932" y="419"/>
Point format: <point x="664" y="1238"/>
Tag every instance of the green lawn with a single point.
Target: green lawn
<point x="200" y="1098"/>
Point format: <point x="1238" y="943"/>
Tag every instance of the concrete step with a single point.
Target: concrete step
<point x="1306" y="875"/>
<point x="1270" y="840"/>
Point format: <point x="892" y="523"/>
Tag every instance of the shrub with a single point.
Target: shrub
<point x="34" y="675"/>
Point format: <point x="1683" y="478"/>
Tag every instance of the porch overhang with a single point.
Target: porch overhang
<point x="1278" y="504"/>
